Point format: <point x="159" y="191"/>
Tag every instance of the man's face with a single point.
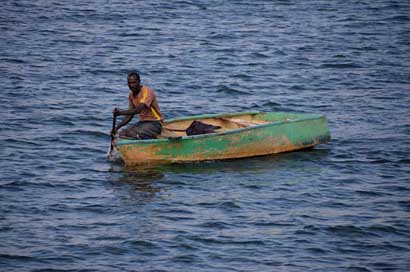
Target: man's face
<point x="133" y="83"/>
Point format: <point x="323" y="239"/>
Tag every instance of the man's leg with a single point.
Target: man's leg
<point x="150" y="130"/>
<point x="142" y="130"/>
<point x="131" y="132"/>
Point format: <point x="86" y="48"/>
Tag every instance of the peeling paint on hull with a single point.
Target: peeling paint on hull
<point x="280" y="132"/>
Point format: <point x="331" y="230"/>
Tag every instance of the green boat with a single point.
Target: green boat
<point x="240" y="135"/>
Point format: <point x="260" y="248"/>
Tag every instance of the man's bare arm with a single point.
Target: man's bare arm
<point x="129" y="114"/>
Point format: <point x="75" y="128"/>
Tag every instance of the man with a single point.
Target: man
<point x="142" y="101"/>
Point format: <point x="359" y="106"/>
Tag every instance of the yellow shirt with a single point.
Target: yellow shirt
<point x="151" y="111"/>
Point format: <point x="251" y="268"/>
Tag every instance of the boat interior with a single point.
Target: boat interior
<point x="178" y="128"/>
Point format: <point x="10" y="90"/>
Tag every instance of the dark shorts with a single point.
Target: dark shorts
<point x="142" y="130"/>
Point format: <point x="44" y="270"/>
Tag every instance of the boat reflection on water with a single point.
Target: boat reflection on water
<point x="144" y="177"/>
<point x="137" y="179"/>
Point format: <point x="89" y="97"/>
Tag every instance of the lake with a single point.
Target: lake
<point x="342" y="206"/>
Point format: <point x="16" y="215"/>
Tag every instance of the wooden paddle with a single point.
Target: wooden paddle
<point x="114" y="120"/>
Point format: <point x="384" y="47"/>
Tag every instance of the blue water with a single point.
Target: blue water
<point x="343" y="206"/>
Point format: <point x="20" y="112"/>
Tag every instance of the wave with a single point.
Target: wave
<point x="229" y="90"/>
<point x="399" y="18"/>
<point x="350" y="65"/>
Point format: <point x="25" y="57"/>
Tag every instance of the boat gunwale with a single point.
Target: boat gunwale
<point x="310" y="116"/>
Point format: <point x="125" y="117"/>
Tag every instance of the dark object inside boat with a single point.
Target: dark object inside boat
<point x="197" y="128"/>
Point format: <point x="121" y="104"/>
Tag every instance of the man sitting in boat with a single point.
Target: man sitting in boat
<point x="142" y="101"/>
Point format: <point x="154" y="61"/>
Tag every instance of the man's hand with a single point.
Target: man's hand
<point x="116" y="112"/>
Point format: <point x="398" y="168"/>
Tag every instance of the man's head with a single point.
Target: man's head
<point x="134" y="81"/>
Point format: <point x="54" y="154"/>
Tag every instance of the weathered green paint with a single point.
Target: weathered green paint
<point x="285" y="132"/>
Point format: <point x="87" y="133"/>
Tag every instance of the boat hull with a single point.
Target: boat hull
<point x="272" y="137"/>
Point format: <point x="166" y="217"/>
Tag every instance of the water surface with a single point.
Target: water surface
<point x="343" y="206"/>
